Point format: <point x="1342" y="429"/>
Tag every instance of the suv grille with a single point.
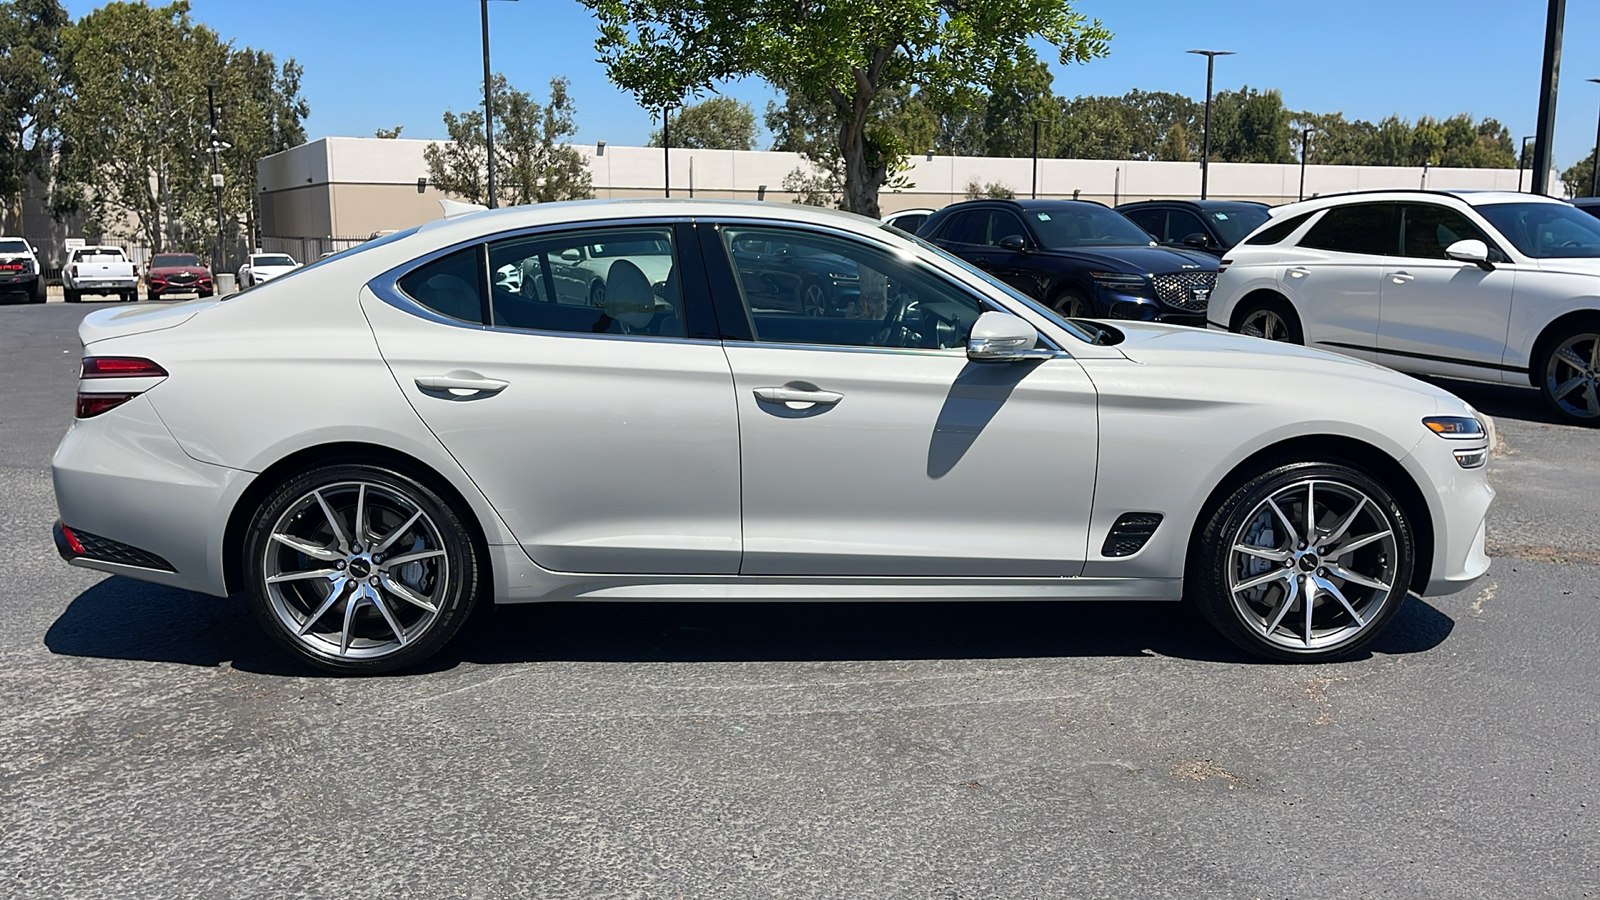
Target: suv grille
<point x="1176" y="289"/>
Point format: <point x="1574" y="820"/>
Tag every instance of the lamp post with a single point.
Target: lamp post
<point x="1522" y="161"/>
<point x="1305" y="144"/>
<point x="1205" y="143"/>
<point x="1034" y="194"/>
<point x="1554" y="19"/>
<point x="666" y="149"/>
<point x="1594" y="172"/>
<point x="488" y="102"/>
<point x="216" y="148"/>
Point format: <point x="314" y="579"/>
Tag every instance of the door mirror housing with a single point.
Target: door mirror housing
<point x="1472" y="251"/>
<point x="1199" y="239"/>
<point x="572" y="254"/>
<point x="1002" y="337"/>
<point x="1016" y="243"/>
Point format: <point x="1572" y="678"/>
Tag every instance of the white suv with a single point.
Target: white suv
<point x="1491" y="286"/>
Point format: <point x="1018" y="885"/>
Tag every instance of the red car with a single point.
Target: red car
<point x="178" y="273"/>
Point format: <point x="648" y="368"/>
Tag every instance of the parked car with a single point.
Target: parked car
<point x="966" y="444"/>
<point x="177" y="273"/>
<point x="794" y="276"/>
<point x="99" y="270"/>
<point x="263" y="267"/>
<point x="1078" y="258"/>
<point x="1590" y="205"/>
<point x="1211" y="226"/>
<point x="1491" y="286"/>
<point x="20" y="272"/>
<point x="908" y="220"/>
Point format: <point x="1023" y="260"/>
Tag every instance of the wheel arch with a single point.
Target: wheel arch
<point x="326" y="454"/>
<point x="1549" y="334"/>
<point x="1330" y="448"/>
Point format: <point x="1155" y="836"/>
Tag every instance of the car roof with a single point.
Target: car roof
<point x="1470" y="198"/>
<point x="1193" y="204"/>
<point x="486" y="222"/>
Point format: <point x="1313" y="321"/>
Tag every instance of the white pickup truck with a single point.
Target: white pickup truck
<point x="99" y="270"/>
<point x="19" y="270"/>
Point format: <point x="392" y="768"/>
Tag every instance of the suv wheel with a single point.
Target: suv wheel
<point x="1270" y="318"/>
<point x="1072" y="305"/>
<point x="1569" y="372"/>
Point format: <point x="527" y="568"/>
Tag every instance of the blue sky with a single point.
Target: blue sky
<point x="379" y="63"/>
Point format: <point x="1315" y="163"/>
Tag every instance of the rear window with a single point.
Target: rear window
<point x="1366" y="228"/>
<point x="1276" y="233"/>
<point x="98" y="254"/>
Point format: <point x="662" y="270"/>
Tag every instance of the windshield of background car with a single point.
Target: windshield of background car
<point x="1011" y="292"/>
<point x="1546" y="230"/>
<point x="1085" y="225"/>
<point x="13" y="246"/>
<point x="612" y="249"/>
<point x="1236" y="222"/>
<point x="272" y="260"/>
<point x="174" y="259"/>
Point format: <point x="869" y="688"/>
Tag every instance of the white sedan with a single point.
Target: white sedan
<point x="264" y="267"/>
<point x="371" y="445"/>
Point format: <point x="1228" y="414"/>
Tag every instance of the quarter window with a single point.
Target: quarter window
<point x="1363" y="228"/>
<point x="1276" y="233"/>
<point x="609" y="281"/>
<point x="803" y="287"/>
<point x="451" y="285"/>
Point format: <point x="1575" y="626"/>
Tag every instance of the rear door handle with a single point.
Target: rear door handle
<point x="462" y="383"/>
<point x="1299" y="272"/>
<point x="1401" y="277"/>
<point x="796" y="395"/>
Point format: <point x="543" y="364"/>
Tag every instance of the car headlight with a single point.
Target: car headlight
<point x="1461" y="428"/>
<point x="1118" y="281"/>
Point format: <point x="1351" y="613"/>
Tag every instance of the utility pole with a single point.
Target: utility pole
<point x="1205" y="144"/>
<point x="1542" y="149"/>
<point x="216" y="170"/>
<point x="666" y="148"/>
<point x="1034" y="194"/>
<point x="1522" y="161"/>
<point x="1305" y="148"/>
<point x="1594" y="172"/>
<point x="488" y="103"/>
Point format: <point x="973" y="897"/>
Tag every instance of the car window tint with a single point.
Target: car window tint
<point x="1546" y="230"/>
<point x="1151" y="220"/>
<point x="968" y="227"/>
<point x="910" y="223"/>
<point x="1361" y="228"/>
<point x="1182" y="224"/>
<point x="1276" y="233"/>
<point x="608" y="281"/>
<point x="1004" y="224"/>
<point x="1426" y="229"/>
<point x="803" y="287"/>
<point x="451" y="285"/>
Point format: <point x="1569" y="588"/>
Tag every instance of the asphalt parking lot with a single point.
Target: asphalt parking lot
<point x="154" y="745"/>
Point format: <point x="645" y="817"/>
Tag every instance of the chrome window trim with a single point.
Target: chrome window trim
<point x="386" y="286"/>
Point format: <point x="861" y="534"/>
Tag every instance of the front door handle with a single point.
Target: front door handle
<point x="1299" y="272"/>
<point x="1401" y="277"/>
<point x="796" y="395"/>
<point x="462" y="383"/>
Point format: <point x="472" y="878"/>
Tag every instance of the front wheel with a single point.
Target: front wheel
<point x="1072" y="305"/>
<point x="1569" y="373"/>
<point x="359" y="569"/>
<point x="1273" y="320"/>
<point x="1305" y="562"/>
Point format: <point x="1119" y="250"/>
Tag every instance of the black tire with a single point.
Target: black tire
<point x="40" y="292"/>
<point x="130" y="296"/>
<point x="1072" y="304"/>
<point x="1270" y="318"/>
<point x="1567" y="371"/>
<point x="72" y="296"/>
<point x="387" y="630"/>
<point x="597" y="294"/>
<point x="1255" y="616"/>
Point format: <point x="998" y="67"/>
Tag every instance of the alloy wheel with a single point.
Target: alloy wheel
<point x="1572" y="376"/>
<point x="813" y="300"/>
<point x="1314" y="566"/>
<point x="1265" y="323"/>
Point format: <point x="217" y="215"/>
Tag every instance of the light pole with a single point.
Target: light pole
<point x="1205" y="143"/>
<point x="1554" y="19"/>
<point x="1522" y="161"/>
<point x="1594" y="172"/>
<point x="488" y="102"/>
<point x="1305" y="145"/>
<point x="666" y="149"/>
<point x="1034" y="194"/>
<point x="216" y="168"/>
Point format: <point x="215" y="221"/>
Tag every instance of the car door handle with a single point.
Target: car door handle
<point x="796" y="395"/>
<point x="461" y="384"/>
<point x="1299" y="272"/>
<point x="1401" y="277"/>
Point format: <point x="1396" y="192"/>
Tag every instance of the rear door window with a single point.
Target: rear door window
<point x="604" y="281"/>
<point x="1366" y="228"/>
<point x="1151" y="220"/>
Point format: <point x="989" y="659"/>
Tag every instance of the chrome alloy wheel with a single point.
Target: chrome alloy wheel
<point x="1313" y="565"/>
<point x="813" y="300"/>
<point x="1265" y="323"/>
<point x="355" y="570"/>
<point x="1572" y="376"/>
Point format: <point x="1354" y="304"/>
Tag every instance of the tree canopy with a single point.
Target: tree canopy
<point x="720" y="123"/>
<point x="30" y="94"/>
<point x="534" y="162"/>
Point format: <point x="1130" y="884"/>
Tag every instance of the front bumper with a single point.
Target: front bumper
<point x="1458" y="502"/>
<point x="1119" y="305"/>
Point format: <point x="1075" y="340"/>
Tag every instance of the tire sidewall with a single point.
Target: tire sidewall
<point x="1207" y="578"/>
<point x="464" y="557"/>
<point x="1542" y="371"/>
<point x="1284" y="311"/>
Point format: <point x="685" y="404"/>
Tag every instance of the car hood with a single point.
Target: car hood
<point x="1145" y="260"/>
<point x="1572" y="266"/>
<point x="110" y="323"/>
<point x="1193" y="348"/>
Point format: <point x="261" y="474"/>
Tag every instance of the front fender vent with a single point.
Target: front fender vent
<point x="1130" y="533"/>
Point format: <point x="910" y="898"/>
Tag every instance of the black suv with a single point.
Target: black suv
<point x="1212" y="226"/>
<point x="1077" y="257"/>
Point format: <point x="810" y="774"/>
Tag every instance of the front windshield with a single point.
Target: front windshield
<point x="1234" y="222"/>
<point x="1077" y="331"/>
<point x="174" y="259"/>
<point x="274" y="259"/>
<point x="1086" y="225"/>
<point x="1546" y="230"/>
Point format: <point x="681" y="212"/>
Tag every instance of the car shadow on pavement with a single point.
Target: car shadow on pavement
<point x="123" y="619"/>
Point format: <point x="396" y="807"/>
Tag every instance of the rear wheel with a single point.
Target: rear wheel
<point x="1307" y="562"/>
<point x="359" y="569"/>
<point x="1272" y="318"/>
<point x="1569" y="372"/>
<point x="812" y="299"/>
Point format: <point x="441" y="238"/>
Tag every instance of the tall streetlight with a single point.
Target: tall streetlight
<point x="1205" y="144"/>
<point x="666" y="149"/>
<point x="216" y="147"/>
<point x="1305" y="148"/>
<point x="488" y="102"/>
<point x="1594" y="173"/>
<point x="1522" y="161"/>
<point x="1554" y="20"/>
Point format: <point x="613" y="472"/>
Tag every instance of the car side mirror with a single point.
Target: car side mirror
<point x="1472" y="251"/>
<point x="1002" y="337"/>
<point x="1016" y="243"/>
<point x="1199" y="239"/>
<point x="571" y="254"/>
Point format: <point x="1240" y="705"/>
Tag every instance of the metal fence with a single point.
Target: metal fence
<point x="308" y="249"/>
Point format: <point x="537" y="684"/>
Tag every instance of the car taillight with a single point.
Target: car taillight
<point x="120" y="367"/>
<point x="74" y="271"/>
<point x="91" y="405"/>
<point x="1223" y="266"/>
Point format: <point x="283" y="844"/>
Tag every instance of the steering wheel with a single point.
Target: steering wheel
<point x="895" y="331"/>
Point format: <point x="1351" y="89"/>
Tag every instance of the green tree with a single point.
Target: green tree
<point x="843" y="55"/>
<point x="30" y="95"/>
<point x="534" y="161"/>
<point x="1579" y="179"/>
<point x="1250" y="126"/>
<point x="994" y="190"/>
<point x="389" y="134"/>
<point x="1019" y="96"/>
<point x="720" y="123"/>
